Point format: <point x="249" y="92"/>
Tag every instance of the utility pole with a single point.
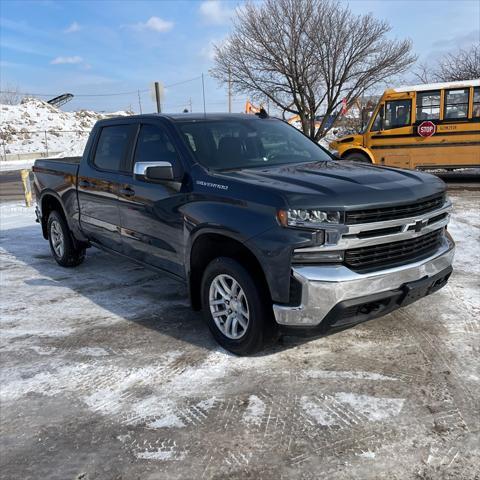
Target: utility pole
<point x="139" y="102"/>
<point x="190" y="103"/>
<point x="157" y="97"/>
<point x="203" y="91"/>
<point x="229" y="91"/>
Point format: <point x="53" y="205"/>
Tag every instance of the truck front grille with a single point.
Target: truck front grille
<point x="393" y="213"/>
<point x="394" y="253"/>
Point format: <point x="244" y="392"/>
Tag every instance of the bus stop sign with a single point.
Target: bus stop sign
<point x="426" y="129"/>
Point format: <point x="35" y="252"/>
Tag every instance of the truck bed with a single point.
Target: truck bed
<point x="63" y="165"/>
<point x="58" y="176"/>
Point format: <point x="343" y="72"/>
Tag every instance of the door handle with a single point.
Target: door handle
<point x="127" y="192"/>
<point x="85" y="184"/>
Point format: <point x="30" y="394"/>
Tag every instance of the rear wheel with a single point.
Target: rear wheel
<point x="62" y="246"/>
<point x="357" y="157"/>
<point x="235" y="307"/>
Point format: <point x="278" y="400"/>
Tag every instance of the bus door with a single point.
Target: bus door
<point x="391" y="131"/>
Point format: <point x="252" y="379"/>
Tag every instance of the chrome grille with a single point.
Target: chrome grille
<point x="395" y="253"/>
<point x="393" y="213"/>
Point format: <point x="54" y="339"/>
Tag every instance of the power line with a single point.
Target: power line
<point x="183" y="81"/>
<point x="75" y="95"/>
<point x="108" y="94"/>
<point x="133" y="92"/>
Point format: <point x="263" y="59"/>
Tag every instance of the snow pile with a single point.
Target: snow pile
<point x="333" y="134"/>
<point x="35" y="126"/>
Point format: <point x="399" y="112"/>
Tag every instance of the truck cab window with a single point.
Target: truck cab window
<point x="456" y="103"/>
<point x="112" y="147"/>
<point x="154" y="145"/>
<point x="397" y="114"/>
<point x="428" y="106"/>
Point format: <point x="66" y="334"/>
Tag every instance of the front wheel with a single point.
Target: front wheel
<point x="357" y="157"/>
<point x="61" y="242"/>
<point x="235" y="308"/>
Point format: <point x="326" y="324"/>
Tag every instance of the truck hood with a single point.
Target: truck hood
<point x="341" y="185"/>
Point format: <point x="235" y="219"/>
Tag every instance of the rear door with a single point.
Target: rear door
<point x="98" y="182"/>
<point x="151" y="217"/>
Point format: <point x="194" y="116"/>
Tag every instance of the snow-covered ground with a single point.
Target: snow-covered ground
<point x="34" y="126"/>
<point x="106" y="373"/>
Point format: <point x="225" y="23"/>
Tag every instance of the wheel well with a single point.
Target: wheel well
<point x="210" y="246"/>
<point x="50" y="203"/>
<point x="356" y="150"/>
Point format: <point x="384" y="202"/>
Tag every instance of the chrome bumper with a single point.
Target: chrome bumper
<point x="325" y="286"/>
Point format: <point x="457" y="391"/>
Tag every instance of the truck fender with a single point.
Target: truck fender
<point x="57" y="199"/>
<point x="217" y="242"/>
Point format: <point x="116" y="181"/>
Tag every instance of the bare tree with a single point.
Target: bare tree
<point x="306" y="56"/>
<point x="424" y="73"/>
<point x="461" y="65"/>
<point x="10" y="96"/>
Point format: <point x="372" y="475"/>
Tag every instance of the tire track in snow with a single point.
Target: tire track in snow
<point x="449" y="404"/>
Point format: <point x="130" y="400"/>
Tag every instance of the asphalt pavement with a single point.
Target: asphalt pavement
<point x="11" y="188"/>
<point x="107" y="374"/>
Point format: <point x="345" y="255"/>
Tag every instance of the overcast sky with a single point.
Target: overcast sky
<point x="100" y="47"/>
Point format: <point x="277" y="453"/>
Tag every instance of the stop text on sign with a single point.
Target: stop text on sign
<point x="426" y="129"/>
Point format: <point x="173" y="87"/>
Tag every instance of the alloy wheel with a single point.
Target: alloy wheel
<point x="229" y="306"/>
<point x="57" y="239"/>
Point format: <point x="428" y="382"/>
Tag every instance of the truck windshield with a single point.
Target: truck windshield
<point x="238" y="143"/>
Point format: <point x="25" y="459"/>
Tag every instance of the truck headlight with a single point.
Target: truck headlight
<point x="307" y="218"/>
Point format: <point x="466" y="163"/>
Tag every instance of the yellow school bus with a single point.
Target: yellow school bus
<point x="422" y="126"/>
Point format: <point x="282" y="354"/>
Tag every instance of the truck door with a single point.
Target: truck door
<point x="98" y="181"/>
<point x="391" y="133"/>
<point x="151" y="219"/>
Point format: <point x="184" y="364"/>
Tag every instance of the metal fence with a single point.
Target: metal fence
<point x="29" y="144"/>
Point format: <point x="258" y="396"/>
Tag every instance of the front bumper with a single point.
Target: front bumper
<point x="335" y="296"/>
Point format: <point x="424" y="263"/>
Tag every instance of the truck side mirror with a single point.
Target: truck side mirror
<point x="155" y="171"/>
<point x="382" y="115"/>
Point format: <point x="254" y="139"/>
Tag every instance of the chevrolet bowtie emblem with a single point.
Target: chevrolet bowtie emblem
<point x="420" y="225"/>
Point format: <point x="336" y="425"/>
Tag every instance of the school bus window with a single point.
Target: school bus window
<point x="428" y="106"/>
<point x="476" y="102"/>
<point x="377" y="123"/>
<point x="456" y="103"/>
<point x="397" y="114"/>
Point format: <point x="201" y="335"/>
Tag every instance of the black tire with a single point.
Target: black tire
<point x="68" y="255"/>
<point x="261" y="328"/>
<point x="357" y="157"/>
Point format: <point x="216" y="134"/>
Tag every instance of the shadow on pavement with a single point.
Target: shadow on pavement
<point x="119" y="286"/>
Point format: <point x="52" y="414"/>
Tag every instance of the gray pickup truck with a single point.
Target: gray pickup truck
<point x="270" y="233"/>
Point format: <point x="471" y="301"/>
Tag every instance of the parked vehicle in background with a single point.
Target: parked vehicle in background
<point x="422" y="126"/>
<point x="268" y="231"/>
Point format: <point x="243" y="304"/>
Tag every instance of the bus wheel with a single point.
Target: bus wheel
<point x="357" y="157"/>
